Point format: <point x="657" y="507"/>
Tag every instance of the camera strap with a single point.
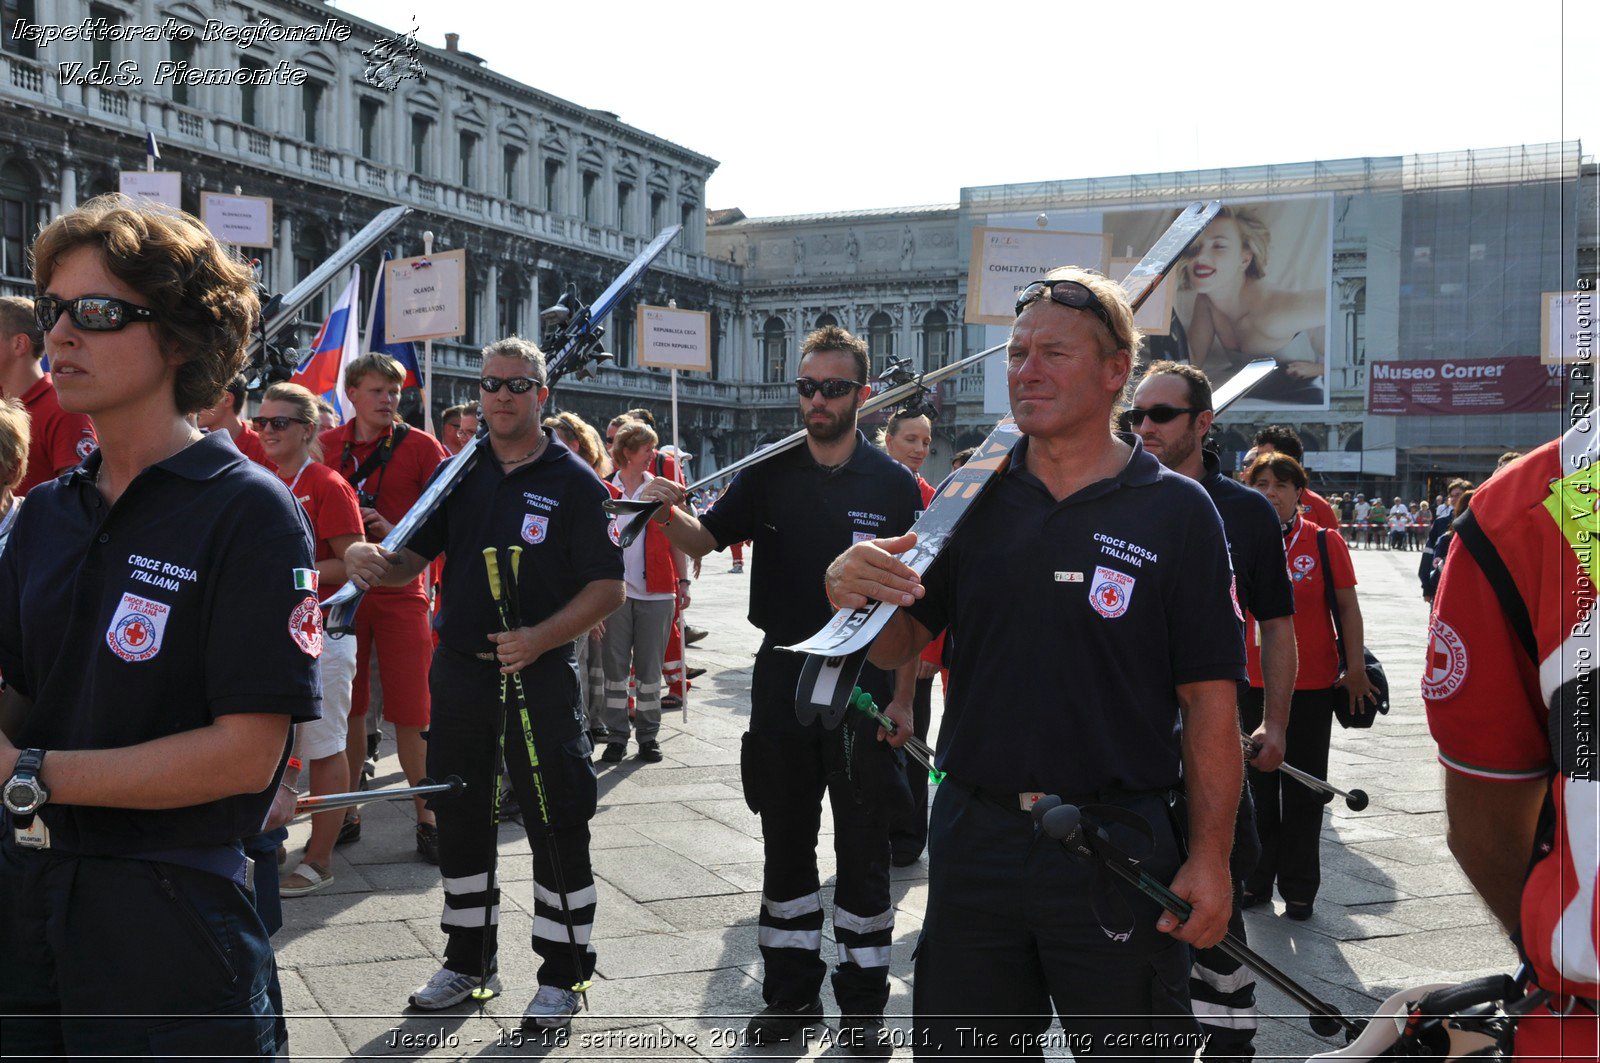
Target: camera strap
<point x="377" y="460"/>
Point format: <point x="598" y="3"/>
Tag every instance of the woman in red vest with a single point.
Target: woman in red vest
<point x="636" y="634"/>
<point x="1288" y="814"/>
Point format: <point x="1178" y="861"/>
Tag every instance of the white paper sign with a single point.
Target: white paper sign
<point x="1566" y="328"/>
<point x="163" y="186"/>
<point x="1154" y="318"/>
<point x="674" y="339"/>
<point x="427" y="297"/>
<point x="1006" y="260"/>
<point x="245" y="221"/>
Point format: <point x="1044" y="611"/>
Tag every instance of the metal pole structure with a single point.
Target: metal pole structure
<point x="427" y="355"/>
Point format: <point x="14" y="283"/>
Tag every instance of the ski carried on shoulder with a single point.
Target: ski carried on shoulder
<point x="839" y="650"/>
<point x="572" y="348"/>
<point x="900" y="388"/>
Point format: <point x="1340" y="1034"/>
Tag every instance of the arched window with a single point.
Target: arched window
<point x="19" y="220"/>
<point x="880" y="338"/>
<point x="827" y="321"/>
<point x="1353" y="441"/>
<point x="935" y="339"/>
<point x="774" y="345"/>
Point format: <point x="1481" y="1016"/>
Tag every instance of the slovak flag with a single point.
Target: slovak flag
<point x="405" y="353"/>
<point x="336" y="346"/>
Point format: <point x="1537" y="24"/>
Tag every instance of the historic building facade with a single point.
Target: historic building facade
<point x="1427" y="256"/>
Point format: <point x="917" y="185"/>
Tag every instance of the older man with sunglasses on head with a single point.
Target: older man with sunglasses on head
<point x="802" y="508"/>
<point x="1088" y="597"/>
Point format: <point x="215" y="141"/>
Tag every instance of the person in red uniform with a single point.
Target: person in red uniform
<point x="907" y="437"/>
<point x="1508" y="684"/>
<point x="287" y="422"/>
<point x="227" y="415"/>
<point x="388" y="465"/>
<point x="1277" y="438"/>
<point x="58" y="440"/>
<point x="1289" y="814"/>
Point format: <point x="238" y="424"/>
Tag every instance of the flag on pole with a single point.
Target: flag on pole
<point x="405" y="353"/>
<point x="337" y="345"/>
<point x="150" y="147"/>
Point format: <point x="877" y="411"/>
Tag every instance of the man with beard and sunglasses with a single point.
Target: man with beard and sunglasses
<point x="527" y="491"/>
<point x="1171" y="414"/>
<point x="1089" y="602"/>
<point x="802" y="508"/>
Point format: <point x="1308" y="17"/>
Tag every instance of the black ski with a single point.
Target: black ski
<point x="839" y="650"/>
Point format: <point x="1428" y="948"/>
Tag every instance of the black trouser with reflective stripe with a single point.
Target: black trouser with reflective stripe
<point x="1289" y="814"/>
<point x="466" y="696"/>
<point x="908" y="835"/>
<point x="1222" y="991"/>
<point x="786" y="770"/>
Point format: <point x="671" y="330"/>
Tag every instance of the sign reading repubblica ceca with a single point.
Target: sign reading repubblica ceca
<point x="1464" y="386"/>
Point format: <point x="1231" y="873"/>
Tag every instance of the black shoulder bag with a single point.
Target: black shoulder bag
<point x="1375" y="676"/>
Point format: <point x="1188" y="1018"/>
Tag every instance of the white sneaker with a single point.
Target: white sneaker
<point x="448" y="988"/>
<point x="551" y="1008"/>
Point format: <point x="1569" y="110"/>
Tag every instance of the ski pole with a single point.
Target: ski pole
<point x="311" y="805"/>
<point x="506" y="599"/>
<point x="1355" y="799"/>
<point x="915" y="747"/>
<point x="1065" y="823"/>
<point x="482" y="994"/>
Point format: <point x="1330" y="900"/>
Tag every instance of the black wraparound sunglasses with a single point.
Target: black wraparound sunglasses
<point x="278" y="424"/>
<point x="92" y="313"/>
<point x="833" y="388"/>
<point x="519" y="385"/>
<point x="1135" y="416"/>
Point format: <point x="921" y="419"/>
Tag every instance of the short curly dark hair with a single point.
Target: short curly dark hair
<point x="204" y="298"/>
<point x="834" y="339"/>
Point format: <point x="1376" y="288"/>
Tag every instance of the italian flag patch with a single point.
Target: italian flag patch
<point x="305" y="579"/>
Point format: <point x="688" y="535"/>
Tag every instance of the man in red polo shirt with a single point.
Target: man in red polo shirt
<point x="58" y="440"/>
<point x="227" y="415"/>
<point x="389" y="465"/>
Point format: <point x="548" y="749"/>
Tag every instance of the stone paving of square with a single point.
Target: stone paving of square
<point x="677" y="858"/>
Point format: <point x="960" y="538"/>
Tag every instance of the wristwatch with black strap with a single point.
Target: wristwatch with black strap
<point x="24" y="794"/>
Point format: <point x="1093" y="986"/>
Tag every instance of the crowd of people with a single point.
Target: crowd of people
<point x="1162" y="637"/>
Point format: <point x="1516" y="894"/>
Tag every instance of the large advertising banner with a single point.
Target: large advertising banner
<point x="1004" y="261"/>
<point x="1464" y="386"/>
<point x="1256" y="284"/>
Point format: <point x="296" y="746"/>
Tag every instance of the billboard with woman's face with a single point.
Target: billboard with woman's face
<point x="1256" y="284"/>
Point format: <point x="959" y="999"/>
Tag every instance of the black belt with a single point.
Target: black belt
<point x="1021" y="801"/>
<point x="487" y="656"/>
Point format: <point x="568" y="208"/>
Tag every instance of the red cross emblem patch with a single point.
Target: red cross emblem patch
<point x="1110" y="592"/>
<point x="137" y="627"/>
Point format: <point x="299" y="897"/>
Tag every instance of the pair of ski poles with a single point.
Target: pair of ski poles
<point x="1084" y="839"/>
<point x="1355" y="799"/>
<point x="915" y="748"/>
<point x="506" y="600"/>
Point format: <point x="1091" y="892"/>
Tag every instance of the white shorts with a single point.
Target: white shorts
<point x="337" y="668"/>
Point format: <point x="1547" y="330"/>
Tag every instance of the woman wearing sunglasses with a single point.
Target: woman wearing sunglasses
<point x="287" y="424"/>
<point x="151" y="719"/>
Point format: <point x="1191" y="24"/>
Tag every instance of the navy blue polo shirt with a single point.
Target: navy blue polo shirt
<point x="1255" y="544"/>
<point x="1073" y="623"/>
<point x="801" y="516"/>
<point x="551" y="507"/>
<point x="184" y="602"/>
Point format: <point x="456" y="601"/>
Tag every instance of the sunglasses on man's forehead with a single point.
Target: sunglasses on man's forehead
<point x="832" y="388"/>
<point x="1067" y="293"/>
<point x="518" y="385"/>
<point x="92" y="313"/>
